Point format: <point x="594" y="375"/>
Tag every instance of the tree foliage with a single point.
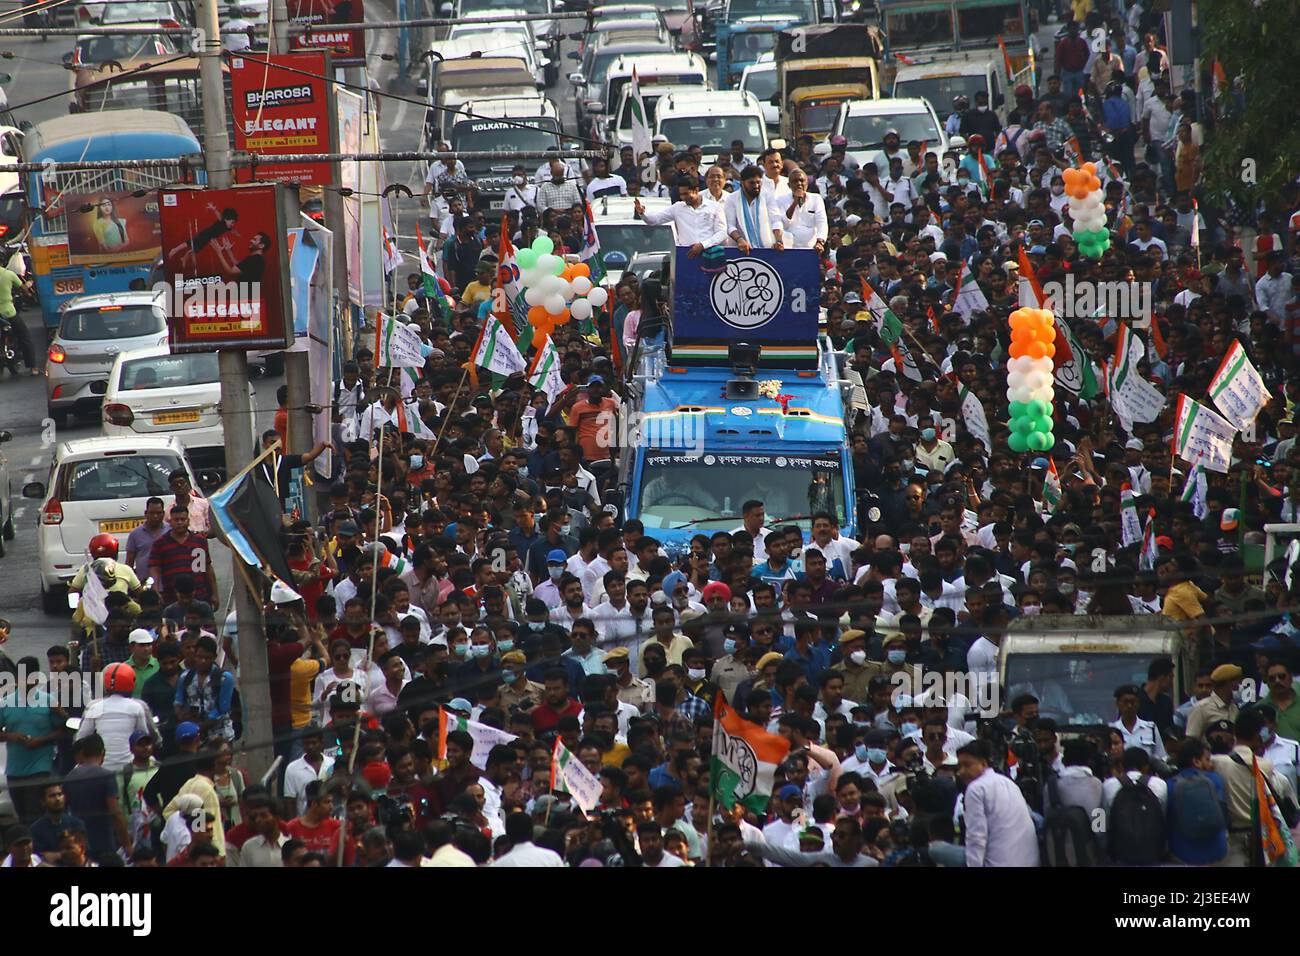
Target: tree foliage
<point x="1256" y="44"/>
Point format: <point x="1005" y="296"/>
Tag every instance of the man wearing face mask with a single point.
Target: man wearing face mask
<point x="549" y="591"/>
<point x="932" y="452"/>
<point x="517" y="691"/>
<point x="870" y="759"/>
<point x="522" y="194"/>
<point x="559" y="192"/>
<point x="854" y="666"/>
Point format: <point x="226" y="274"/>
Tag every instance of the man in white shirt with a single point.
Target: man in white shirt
<point x="523" y="852"/>
<point x="998" y="826"/>
<point x="1110" y="788"/>
<point x="1274" y="291"/>
<point x="314" y="764"/>
<point x="776" y="187"/>
<point x="521" y="194"/>
<point x="715" y="189"/>
<point x="1137" y="732"/>
<point x="699" y="224"/>
<point x="803" y="221"/>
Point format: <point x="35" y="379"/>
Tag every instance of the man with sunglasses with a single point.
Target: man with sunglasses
<point x="1283" y="699"/>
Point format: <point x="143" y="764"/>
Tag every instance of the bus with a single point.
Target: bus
<point x="171" y="86"/>
<point x="97" y="231"/>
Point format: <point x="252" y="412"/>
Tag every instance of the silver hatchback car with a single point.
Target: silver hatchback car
<point x="92" y="331"/>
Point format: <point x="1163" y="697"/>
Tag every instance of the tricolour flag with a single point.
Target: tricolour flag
<point x="396" y="345"/>
<point x="1194" y="491"/>
<point x="888" y="326"/>
<point x="977" y="422"/>
<point x="427" y="271"/>
<point x="641" y="141"/>
<point x="392" y="256"/>
<point x="1150" y="552"/>
<point x="745" y="758"/>
<point x="569" y="776"/>
<point x="1132" y="397"/>
<point x="1051" y="487"/>
<point x="590" y="251"/>
<point x="409" y="421"/>
<point x="1275" y="842"/>
<point x="904" y="363"/>
<point x="544" y="373"/>
<point x="968" y="297"/>
<point x="505" y="296"/>
<point x="497" y="351"/>
<point x="1237" y="389"/>
<point x="484" y="737"/>
<point x="1129" y="523"/>
<point x="1202" y="435"/>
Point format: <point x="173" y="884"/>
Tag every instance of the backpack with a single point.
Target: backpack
<point x="1197" y="813"/>
<point x="1136" y="827"/>
<point x="236" y="702"/>
<point x="1068" y="840"/>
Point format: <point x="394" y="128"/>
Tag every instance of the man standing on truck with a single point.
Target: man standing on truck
<point x="749" y="225"/>
<point x="699" y="224"/>
<point x="803" y="220"/>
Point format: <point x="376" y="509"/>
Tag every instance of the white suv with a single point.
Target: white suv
<point x="712" y="119"/>
<point x="97" y="486"/>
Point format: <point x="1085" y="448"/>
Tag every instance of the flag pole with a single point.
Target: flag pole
<point x="708" y="833"/>
<point x="370" y="649"/>
<point x="446" y="420"/>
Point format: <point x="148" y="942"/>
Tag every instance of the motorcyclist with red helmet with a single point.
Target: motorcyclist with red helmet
<point x="113" y="574"/>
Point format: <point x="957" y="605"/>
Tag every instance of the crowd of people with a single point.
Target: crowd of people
<point x="487" y="577"/>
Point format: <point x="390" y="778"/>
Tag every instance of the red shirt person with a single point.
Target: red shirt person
<point x="317" y="828"/>
<point x="181" y="552"/>
<point x="557" y="702"/>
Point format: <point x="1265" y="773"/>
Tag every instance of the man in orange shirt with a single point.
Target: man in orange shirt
<point x="592" y="418"/>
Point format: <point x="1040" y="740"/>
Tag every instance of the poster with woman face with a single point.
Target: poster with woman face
<point x="113" y="228"/>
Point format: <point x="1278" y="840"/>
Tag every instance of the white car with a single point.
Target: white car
<point x="713" y="119"/>
<point x="864" y="122"/>
<point x="153" y="392"/>
<point x="93" y="330"/>
<point x="97" y="486"/>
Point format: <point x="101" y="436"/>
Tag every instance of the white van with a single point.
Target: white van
<point x="624" y="236"/>
<point x="864" y="122"/>
<point x="760" y="79"/>
<point x="712" y="120"/>
<point x="654" y="72"/>
<point x="939" y="81"/>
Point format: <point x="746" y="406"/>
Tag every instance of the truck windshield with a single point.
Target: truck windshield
<point x="922" y="28"/>
<point x="869" y="130"/>
<point x="986" y="24"/>
<point x="801" y="10"/>
<point x="1076" y="689"/>
<point x="714" y="132"/>
<point x="940" y="90"/>
<point x="818" y="117"/>
<point x="707" y="491"/>
<point x="749" y="46"/>
<point x="530" y="134"/>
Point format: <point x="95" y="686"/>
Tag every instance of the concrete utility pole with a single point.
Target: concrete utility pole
<point x="236" y="413"/>
<point x="297" y="376"/>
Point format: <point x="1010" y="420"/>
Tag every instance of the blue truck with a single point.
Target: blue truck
<point x="747" y="402"/>
<point x="747" y="29"/>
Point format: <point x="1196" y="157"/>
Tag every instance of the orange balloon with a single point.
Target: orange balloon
<point x="582" y="269"/>
<point x="1089" y="168"/>
<point x="536" y="315"/>
<point x="1049" y="350"/>
<point x="563" y="318"/>
<point x="1018" y="350"/>
<point x="1036" y="350"/>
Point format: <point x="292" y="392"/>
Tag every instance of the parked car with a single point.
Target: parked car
<point x="96" y="486"/>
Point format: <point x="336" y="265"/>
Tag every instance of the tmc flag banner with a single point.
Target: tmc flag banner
<point x="484" y="737"/>
<point x="1237" y="389"/>
<point x="1202" y="436"/>
<point x="571" y="777"/>
<point x="745" y="758"/>
<point x="763" y="297"/>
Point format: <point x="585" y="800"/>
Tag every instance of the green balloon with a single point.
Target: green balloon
<point x="1043" y="424"/>
<point x="1023" y="425"/>
<point x="1038" y="441"/>
<point x="1017" y="442"/>
<point x="560" y="265"/>
<point x="1019" y="409"/>
<point x="526" y="258"/>
<point x="543" y="245"/>
<point x="1037" y="408"/>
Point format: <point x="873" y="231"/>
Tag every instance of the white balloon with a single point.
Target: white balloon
<point x="1036" y="380"/>
<point x="580" y="309"/>
<point x="1047" y="394"/>
<point x="546" y="264"/>
<point x="1015" y="379"/>
<point x="566" y="290"/>
<point x="554" y="304"/>
<point x="581" y="285"/>
<point x="534" y="295"/>
<point x="1021" y="394"/>
<point x="598" y="296"/>
<point x="1022" y="363"/>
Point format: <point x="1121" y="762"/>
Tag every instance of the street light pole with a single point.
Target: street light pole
<point x="237" y="421"/>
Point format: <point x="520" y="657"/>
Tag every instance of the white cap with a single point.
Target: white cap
<point x="281" y="593"/>
<point x="936" y="256"/>
<point x="957" y="142"/>
<point x="1134" y="444"/>
<point x="141" y="636"/>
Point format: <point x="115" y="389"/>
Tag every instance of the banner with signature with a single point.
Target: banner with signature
<point x="764" y="296"/>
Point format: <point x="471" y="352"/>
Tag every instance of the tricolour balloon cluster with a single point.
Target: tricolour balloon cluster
<point x="555" y="290"/>
<point x="1087" y="210"/>
<point x="1029" y="379"/>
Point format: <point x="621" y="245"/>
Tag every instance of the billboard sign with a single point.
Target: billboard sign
<point x="764" y="296"/>
<point x="225" y="267"/>
<point x="328" y="20"/>
<point x="280" y="111"/>
<point x="113" y="227"/>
